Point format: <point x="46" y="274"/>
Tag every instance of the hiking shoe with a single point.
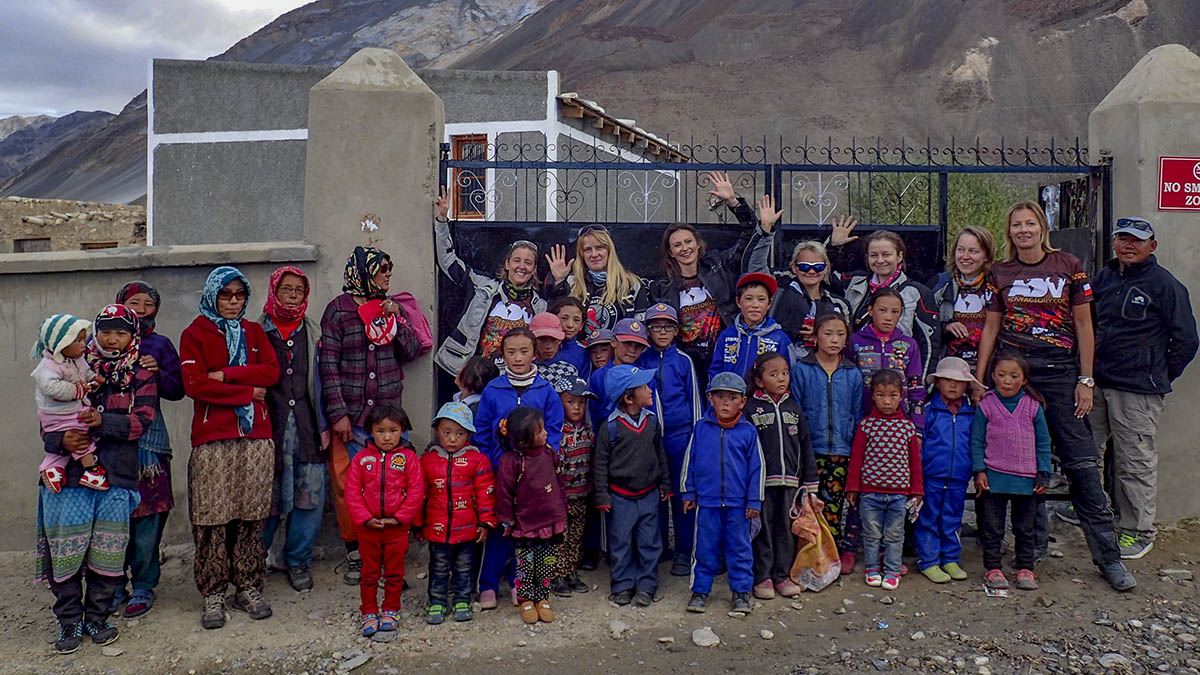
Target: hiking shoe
<point x="849" y="560"/>
<point x="1118" y="577"/>
<point x="1066" y="513"/>
<point x="698" y="604"/>
<point x="388" y="620"/>
<point x="1134" y="546"/>
<point x="936" y="574"/>
<point x="577" y="585"/>
<point x="765" y="590"/>
<point x="561" y="588"/>
<point x="529" y="613"/>
<point x="370" y="624"/>
<point x="788" y="588"/>
<point x="250" y="601"/>
<point x="353" y="564"/>
<point x="462" y="611"/>
<point x="487" y="600"/>
<point x="544" y="613"/>
<point x="890" y="582"/>
<point x="955" y="571"/>
<point x="741" y="603"/>
<point x="873" y="577"/>
<point x="436" y="615"/>
<point x="300" y="578"/>
<point x="995" y="579"/>
<point x="1026" y="581"/>
<point x="643" y="599"/>
<point x="682" y="567"/>
<point x="70" y="635"/>
<point x="622" y="598"/>
<point x="102" y="632"/>
<point x="213" y="615"/>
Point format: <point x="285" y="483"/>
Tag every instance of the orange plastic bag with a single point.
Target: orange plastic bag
<point x="817" y="564"/>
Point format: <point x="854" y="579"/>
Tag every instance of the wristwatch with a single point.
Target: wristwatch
<point x="1089" y="382"/>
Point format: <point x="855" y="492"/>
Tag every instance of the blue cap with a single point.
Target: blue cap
<point x="727" y="382"/>
<point x="623" y="378"/>
<point x="662" y="311"/>
<point x="459" y="413"/>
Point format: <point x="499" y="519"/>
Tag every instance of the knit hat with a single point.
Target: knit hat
<point x="456" y="412"/>
<point x="547" y="325"/>
<point x="56" y="333"/>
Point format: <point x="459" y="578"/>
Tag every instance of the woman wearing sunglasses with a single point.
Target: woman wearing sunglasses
<point x="598" y="279"/>
<point x="804" y="294"/>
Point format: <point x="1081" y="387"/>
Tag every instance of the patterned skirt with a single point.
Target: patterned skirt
<point x="230" y="479"/>
<point x="80" y="525"/>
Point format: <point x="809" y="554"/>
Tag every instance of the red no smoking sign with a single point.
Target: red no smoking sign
<point x="1179" y="183"/>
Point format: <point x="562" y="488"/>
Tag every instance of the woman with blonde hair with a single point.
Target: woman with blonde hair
<point x="806" y="292"/>
<point x="597" y="278"/>
<point x="961" y="292"/>
<point x="1040" y="308"/>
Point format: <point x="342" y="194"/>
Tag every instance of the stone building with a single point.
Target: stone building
<point x="30" y="225"/>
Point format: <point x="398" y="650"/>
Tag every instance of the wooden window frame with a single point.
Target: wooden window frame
<point x="19" y="248"/>
<point x="458" y="144"/>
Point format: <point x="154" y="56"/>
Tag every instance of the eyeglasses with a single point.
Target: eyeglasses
<point x="290" y="290"/>
<point x="810" y="267"/>
<point x="227" y="296"/>
<point x="588" y="229"/>
<point x="662" y="327"/>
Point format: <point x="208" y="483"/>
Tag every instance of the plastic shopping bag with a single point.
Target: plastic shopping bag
<point x="817" y="564"/>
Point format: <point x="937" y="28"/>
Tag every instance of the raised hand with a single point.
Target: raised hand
<point x="843" y="227"/>
<point x="767" y="215"/>
<point x="441" y="205"/>
<point x="722" y="188"/>
<point x="560" y="267"/>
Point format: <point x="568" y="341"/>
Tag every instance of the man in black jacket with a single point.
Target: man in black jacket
<point x="1145" y="337"/>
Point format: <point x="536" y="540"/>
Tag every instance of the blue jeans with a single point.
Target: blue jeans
<point x="882" y="518"/>
<point x="634" y="543"/>
<point x="450" y="566"/>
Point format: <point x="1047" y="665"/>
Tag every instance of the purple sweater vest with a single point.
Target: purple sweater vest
<point x="1011" y="441"/>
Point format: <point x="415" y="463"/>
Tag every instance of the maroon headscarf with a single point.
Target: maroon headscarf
<point x="278" y="311"/>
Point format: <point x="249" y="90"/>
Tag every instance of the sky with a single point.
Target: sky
<point x="59" y="56"/>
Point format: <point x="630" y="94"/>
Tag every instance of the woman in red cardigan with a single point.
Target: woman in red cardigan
<point x="227" y="366"/>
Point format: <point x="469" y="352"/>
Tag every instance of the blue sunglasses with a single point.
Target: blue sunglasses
<point x="810" y="267"/>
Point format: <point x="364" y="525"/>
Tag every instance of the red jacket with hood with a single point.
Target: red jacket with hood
<point x="385" y="485"/>
<point x="202" y="350"/>
<point x="460" y="493"/>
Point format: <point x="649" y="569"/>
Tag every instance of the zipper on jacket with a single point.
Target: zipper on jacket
<point x="722" y="466"/>
<point x="382" y="485"/>
<point x="658" y="394"/>
<point x="829" y="406"/>
<point x="779" y="428"/>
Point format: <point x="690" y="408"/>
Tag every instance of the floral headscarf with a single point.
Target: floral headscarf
<point x="277" y="310"/>
<point x="235" y="337"/>
<point x="145" y="323"/>
<point x="362" y="266"/>
<point x="115" y="367"/>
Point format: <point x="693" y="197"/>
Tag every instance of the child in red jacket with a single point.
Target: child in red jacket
<point x="384" y="495"/>
<point x="460" y="509"/>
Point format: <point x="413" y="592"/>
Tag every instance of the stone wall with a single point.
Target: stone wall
<point x="69" y="225"/>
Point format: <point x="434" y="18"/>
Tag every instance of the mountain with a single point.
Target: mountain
<point x="11" y="124"/>
<point x="750" y="68"/>
<point x="43" y="135"/>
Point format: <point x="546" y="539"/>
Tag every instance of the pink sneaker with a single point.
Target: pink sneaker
<point x="873" y="578"/>
<point x="995" y="579"/>
<point x="788" y="588"/>
<point x="848" y="562"/>
<point x="765" y="590"/>
<point x="1026" y="581"/>
<point x="487" y="600"/>
<point x="891" y="582"/>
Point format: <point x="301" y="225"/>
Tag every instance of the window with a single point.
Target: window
<point x="31" y="245"/>
<point x="470" y="185"/>
<point x="93" y="245"/>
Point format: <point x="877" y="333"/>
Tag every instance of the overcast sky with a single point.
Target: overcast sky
<point x="58" y="56"/>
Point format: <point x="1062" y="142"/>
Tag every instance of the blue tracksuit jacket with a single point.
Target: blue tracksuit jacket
<point x="572" y="352"/>
<point x="676" y="389"/>
<point x="832" y="404"/>
<point x="738" y="345"/>
<point x="724" y="467"/>
<point x="945" y="470"/>
<point x="498" y="400"/>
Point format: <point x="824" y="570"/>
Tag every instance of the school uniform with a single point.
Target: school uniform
<point x="946" y="470"/>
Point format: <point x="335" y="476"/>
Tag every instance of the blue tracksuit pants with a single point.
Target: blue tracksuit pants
<point x="722" y="531"/>
<point x="936" y="531"/>
<point x="634" y="545"/>
<point x="675" y="445"/>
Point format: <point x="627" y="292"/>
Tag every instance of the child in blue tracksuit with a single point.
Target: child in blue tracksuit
<point x="723" y="480"/>
<point x="629" y="340"/>
<point x="570" y="313"/>
<point x="753" y="333"/>
<point x="946" y="471"/>
<point x="520" y="385"/>
<point x="677" y="405"/>
<point x="829" y="388"/>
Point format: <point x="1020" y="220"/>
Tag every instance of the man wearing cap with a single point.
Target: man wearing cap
<point x="752" y="333"/>
<point x="628" y="342"/>
<point x="1145" y="337"/>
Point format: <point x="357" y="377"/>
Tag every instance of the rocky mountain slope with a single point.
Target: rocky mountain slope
<point x="38" y="136"/>
<point x="751" y="68"/>
<point x="15" y="122"/>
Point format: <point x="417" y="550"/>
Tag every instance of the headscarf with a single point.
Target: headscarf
<point x="235" y="337"/>
<point x="277" y="310"/>
<point x="362" y="266"/>
<point x="145" y="323"/>
<point x="115" y="367"/>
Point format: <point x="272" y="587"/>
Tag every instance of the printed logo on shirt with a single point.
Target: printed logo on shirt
<point x="460" y="461"/>
<point x="439" y="528"/>
<point x="460" y="503"/>
<point x="1040" y="288"/>
<point x="549" y="488"/>
<point x="439" y="483"/>
<point x="731" y="350"/>
<point x="767" y="345"/>
<point x="398" y="461"/>
<point x="1138" y="300"/>
<point x="793" y="430"/>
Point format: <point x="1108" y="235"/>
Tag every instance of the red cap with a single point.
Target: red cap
<point x="546" y="325"/>
<point x="759" y="278"/>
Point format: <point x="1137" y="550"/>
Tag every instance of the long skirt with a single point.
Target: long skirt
<point x="81" y="526"/>
<point x="231" y="479"/>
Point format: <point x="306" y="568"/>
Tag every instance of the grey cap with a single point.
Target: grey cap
<point x="727" y="382"/>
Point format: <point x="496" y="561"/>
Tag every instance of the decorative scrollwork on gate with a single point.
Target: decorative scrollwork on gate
<point x="820" y="196"/>
<point x="646" y="193"/>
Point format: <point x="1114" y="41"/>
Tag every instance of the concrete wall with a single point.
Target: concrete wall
<point x="1155" y="111"/>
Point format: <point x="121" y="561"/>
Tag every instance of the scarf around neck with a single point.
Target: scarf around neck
<point x="523" y="380"/>
<point x="145" y="323"/>
<point x="279" y="312"/>
<point x="872" y="286"/>
<point x="235" y="336"/>
<point x="517" y="293"/>
<point x="598" y="278"/>
<point x="362" y="266"/>
<point x="116" y="367"/>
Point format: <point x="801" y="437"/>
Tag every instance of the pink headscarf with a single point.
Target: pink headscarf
<point x="279" y="311"/>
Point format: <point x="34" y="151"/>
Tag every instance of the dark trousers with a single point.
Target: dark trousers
<point x="634" y="542"/>
<point x="1075" y="447"/>
<point x="995" y="508"/>
<point x="450" y="565"/>
<point x="141" y="556"/>
<point x="72" y="604"/>
<point x="229" y="552"/>
<point x="775" y="545"/>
